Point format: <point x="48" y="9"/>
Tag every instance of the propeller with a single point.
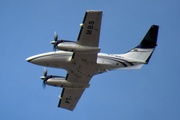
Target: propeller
<point x="56" y="41"/>
<point x="45" y="78"/>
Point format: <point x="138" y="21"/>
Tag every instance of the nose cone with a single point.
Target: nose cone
<point x="29" y="59"/>
<point x="39" y="59"/>
<point x="32" y="59"/>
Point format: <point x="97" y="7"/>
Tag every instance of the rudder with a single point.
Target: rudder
<point x="150" y="39"/>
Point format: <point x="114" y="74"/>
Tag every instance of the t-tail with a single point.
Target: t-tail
<point x="143" y="52"/>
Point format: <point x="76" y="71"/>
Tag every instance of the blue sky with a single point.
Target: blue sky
<point x="151" y="93"/>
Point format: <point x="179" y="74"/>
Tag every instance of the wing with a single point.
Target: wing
<point x="89" y="36"/>
<point x="69" y="98"/>
<point x="90" y="29"/>
<point x="83" y="69"/>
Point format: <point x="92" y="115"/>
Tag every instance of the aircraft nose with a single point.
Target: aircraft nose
<point x="29" y="59"/>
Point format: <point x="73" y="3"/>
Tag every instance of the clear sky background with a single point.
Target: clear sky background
<point x="151" y="93"/>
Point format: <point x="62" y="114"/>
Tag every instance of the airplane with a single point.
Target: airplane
<point x="82" y="60"/>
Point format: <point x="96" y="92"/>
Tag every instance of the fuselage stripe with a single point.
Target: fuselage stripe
<point x="110" y="58"/>
<point x="117" y="59"/>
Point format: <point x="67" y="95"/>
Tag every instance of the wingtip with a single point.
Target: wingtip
<point x="93" y="10"/>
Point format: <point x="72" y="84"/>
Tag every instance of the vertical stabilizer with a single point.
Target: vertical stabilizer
<point x="150" y="39"/>
<point x="144" y="50"/>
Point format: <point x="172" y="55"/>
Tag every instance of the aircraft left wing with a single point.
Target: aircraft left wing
<point x="69" y="98"/>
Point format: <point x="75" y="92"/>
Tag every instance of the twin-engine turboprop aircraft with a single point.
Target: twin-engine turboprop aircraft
<point x="83" y="60"/>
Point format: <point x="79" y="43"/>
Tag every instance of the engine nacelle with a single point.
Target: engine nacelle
<point x="58" y="82"/>
<point x="73" y="47"/>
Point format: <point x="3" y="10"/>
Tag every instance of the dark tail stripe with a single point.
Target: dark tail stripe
<point x="126" y="61"/>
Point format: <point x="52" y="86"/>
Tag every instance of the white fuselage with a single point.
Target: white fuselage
<point x="105" y="62"/>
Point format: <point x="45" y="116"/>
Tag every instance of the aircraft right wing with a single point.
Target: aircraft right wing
<point x="89" y="36"/>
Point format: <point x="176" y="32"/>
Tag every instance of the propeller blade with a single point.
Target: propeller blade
<point x="45" y="72"/>
<point x="44" y="84"/>
<point x="55" y="36"/>
<point x="55" y="47"/>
